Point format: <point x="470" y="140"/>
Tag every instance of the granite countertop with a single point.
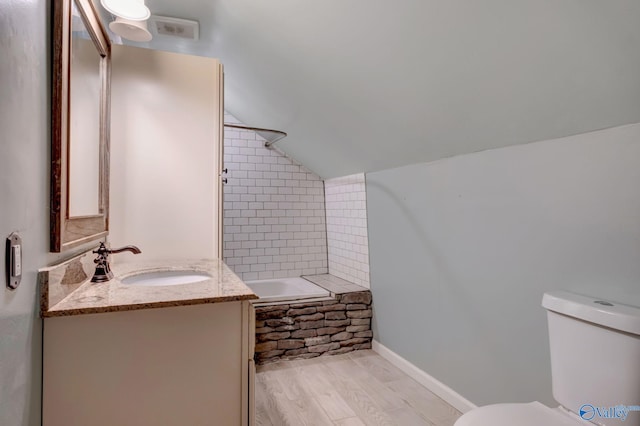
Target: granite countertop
<point x="67" y="289"/>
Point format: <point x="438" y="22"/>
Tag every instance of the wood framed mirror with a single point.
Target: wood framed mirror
<point x="80" y="125"/>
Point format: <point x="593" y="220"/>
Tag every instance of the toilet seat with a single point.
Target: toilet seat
<point x="530" y="414"/>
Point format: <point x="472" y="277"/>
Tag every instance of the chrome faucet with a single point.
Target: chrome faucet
<point x="103" y="269"/>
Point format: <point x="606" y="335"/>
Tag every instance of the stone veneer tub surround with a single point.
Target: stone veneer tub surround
<point x="66" y="288"/>
<point x="310" y="328"/>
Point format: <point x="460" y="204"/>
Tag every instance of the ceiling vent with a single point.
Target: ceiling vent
<point x="174" y="27"/>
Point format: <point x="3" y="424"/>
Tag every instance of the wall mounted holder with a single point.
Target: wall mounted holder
<point x="271" y="136"/>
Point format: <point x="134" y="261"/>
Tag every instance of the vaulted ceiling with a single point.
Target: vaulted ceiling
<point x="362" y="85"/>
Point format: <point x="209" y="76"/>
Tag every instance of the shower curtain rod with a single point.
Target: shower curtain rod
<point x="279" y="134"/>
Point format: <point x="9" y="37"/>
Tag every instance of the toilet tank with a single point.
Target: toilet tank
<point x="595" y="356"/>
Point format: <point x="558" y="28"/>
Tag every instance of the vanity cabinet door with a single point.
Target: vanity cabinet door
<point x="251" y="366"/>
<point x="184" y="365"/>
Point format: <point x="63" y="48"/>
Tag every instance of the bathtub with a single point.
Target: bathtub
<point x="282" y="289"/>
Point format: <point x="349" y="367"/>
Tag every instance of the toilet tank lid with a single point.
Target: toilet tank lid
<point x="598" y="311"/>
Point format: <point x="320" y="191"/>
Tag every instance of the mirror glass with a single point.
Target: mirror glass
<point x="80" y="125"/>
<point x="84" y="120"/>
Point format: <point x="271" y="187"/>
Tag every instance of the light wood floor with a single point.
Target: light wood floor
<point x="359" y="388"/>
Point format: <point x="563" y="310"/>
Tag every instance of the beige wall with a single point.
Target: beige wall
<point x="164" y="153"/>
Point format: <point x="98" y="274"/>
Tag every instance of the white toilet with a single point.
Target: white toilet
<point x="595" y="368"/>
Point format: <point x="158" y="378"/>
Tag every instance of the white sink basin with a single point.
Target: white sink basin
<point x="163" y="278"/>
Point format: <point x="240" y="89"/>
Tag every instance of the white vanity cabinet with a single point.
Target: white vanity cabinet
<point x="184" y="365"/>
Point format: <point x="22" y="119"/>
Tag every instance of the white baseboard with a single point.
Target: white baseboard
<point x="443" y="391"/>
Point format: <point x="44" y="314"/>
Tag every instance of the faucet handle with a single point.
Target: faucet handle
<point x="102" y="250"/>
<point x="103" y="269"/>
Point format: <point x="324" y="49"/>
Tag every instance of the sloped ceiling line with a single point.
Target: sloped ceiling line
<point x="368" y="85"/>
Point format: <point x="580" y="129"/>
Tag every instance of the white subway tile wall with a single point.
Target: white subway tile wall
<point x="347" y="238"/>
<point x="274" y="216"/>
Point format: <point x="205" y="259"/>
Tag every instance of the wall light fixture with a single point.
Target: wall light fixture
<point x="133" y="10"/>
<point x="131" y="30"/>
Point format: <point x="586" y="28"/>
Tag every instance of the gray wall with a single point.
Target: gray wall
<point x="462" y="250"/>
<point x="25" y="89"/>
<point x="24" y="196"/>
